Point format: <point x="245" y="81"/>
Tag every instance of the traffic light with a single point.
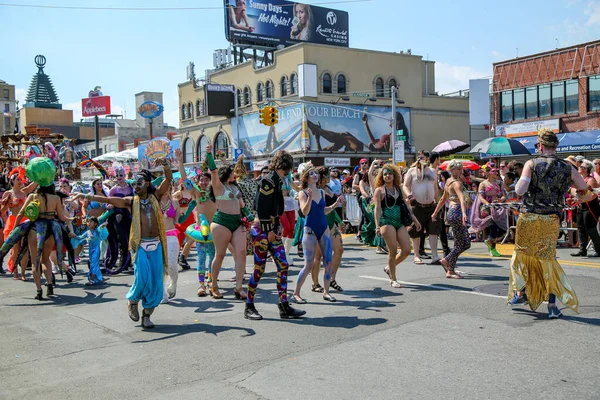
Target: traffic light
<point x="273" y="116"/>
<point x="264" y="115"/>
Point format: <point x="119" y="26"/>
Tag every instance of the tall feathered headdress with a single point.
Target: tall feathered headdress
<point x="87" y="162"/>
<point x="19" y="171"/>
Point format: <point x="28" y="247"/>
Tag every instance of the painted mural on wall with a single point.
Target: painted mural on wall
<point x="158" y="148"/>
<point x="327" y="128"/>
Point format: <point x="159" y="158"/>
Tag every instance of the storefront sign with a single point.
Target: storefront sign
<point x="462" y="157"/>
<point x="573" y="142"/>
<point x="527" y="128"/>
<point x="280" y="22"/>
<point x="337" y="162"/>
<point x="399" y="151"/>
<point x="150" y="109"/>
<point x="258" y="165"/>
<point x="324" y="127"/>
<point x="92" y="106"/>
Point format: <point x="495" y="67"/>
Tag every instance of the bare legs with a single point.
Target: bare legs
<point x="221" y="238"/>
<point x="310" y="244"/>
<point x="396" y="239"/>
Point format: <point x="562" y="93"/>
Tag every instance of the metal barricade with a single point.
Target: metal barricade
<point x="353" y="212"/>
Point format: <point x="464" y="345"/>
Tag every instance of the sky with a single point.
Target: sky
<point x="127" y="52"/>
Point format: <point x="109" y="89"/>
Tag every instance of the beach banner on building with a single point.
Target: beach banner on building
<point x="329" y="128"/>
<point x="155" y="149"/>
<point x="527" y="128"/>
<point x="280" y="22"/>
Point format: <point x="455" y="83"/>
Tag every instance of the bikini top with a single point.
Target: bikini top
<point x="170" y="213"/>
<point x="389" y="200"/>
<point x="454" y="197"/>
<point x="15" y="201"/>
<point x="93" y="205"/>
<point x="229" y="193"/>
<point x="184" y="202"/>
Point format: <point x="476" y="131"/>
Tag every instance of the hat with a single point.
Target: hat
<point x="453" y="164"/>
<point x="579" y="158"/>
<point x="41" y="170"/>
<point x="571" y="160"/>
<point x="363" y="160"/>
<point x="345" y="171"/>
<point x="547" y="138"/>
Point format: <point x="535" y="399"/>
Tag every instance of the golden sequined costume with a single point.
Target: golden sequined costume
<point x="534" y="267"/>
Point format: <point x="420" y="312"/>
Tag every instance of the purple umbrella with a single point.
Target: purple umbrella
<point x="450" y="147"/>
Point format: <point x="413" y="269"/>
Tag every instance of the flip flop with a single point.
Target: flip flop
<point x="436" y="262"/>
<point x="418" y="261"/>
<point x="387" y="271"/>
<point x="298" y="300"/>
<point x="395" y="284"/>
<point x="454" y="276"/>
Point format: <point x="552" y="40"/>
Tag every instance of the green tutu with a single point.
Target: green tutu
<point x="333" y="219"/>
<point x="298" y="231"/>
<point x="367" y="231"/>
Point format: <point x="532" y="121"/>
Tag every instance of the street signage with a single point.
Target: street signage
<point x="398" y="151"/>
<point x="337" y="162"/>
<point x="237" y="153"/>
<point x="400" y="135"/>
<point x="358" y="94"/>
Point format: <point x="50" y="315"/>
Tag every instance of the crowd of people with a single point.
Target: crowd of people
<point x="149" y="223"/>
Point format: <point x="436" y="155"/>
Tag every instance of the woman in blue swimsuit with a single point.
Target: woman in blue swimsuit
<point x="316" y="231"/>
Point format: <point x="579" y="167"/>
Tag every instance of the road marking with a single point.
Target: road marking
<point x="378" y="278"/>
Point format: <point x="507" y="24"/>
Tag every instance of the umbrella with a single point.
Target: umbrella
<point x="450" y="147"/>
<point x="500" y="146"/>
<point x="473" y="166"/>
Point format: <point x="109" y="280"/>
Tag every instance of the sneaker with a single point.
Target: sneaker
<point x="595" y="255"/>
<point x="494" y="253"/>
<point x="580" y="253"/>
<point x="183" y="262"/>
<point x="518" y="300"/>
<point x="425" y="256"/>
<point x="553" y="312"/>
<point x="488" y="244"/>
<point x="251" y="313"/>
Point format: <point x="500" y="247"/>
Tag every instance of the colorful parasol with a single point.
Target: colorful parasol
<point x="500" y="146"/>
<point x="473" y="166"/>
<point x="450" y="147"/>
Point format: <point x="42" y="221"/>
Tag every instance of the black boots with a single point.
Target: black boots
<point x="49" y="289"/>
<point x="39" y="296"/>
<point x="183" y="262"/>
<point x="287" y="312"/>
<point x="251" y="313"/>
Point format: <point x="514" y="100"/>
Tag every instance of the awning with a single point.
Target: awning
<point x="571" y="142"/>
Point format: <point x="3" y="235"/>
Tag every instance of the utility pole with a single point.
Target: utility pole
<point x="97" y="134"/>
<point x="393" y="139"/>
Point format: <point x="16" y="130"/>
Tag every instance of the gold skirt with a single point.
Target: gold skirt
<point x="534" y="267"/>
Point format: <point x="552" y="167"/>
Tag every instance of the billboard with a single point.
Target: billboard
<point x="280" y="22"/>
<point x="326" y="128"/>
<point x="527" y="128"/>
<point x="92" y="106"/>
<point x="220" y="99"/>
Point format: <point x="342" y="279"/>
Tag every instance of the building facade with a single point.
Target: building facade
<point x="346" y="114"/>
<point x="8" y="105"/>
<point x="558" y="89"/>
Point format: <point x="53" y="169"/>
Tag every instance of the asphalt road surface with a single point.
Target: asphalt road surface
<point x="434" y="338"/>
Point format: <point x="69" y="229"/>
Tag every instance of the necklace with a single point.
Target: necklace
<point x="422" y="172"/>
<point x="395" y="196"/>
<point x="165" y="207"/>
<point x="146" y="208"/>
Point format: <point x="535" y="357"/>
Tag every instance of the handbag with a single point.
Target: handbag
<point x="32" y="210"/>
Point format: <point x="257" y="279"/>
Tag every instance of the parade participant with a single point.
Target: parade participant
<point x="491" y="218"/>
<point x="248" y="187"/>
<point x="94" y="236"/>
<point x="454" y="191"/>
<point x="333" y="222"/>
<point x="316" y="232"/>
<point x="13" y="201"/>
<point x="533" y="269"/>
<point x="392" y="216"/>
<point x="184" y="197"/>
<point x="148" y="242"/>
<point x="226" y="226"/>
<point x="119" y="224"/>
<point x="269" y="206"/>
<point x="434" y="163"/>
<point x="596" y="174"/>
<point x="75" y="212"/>
<point x="299" y="228"/>
<point x="588" y="215"/>
<point x="421" y="189"/>
<point x="288" y="218"/>
<point x="358" y="177"/>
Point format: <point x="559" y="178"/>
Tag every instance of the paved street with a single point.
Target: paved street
<point x="435" y="338"/>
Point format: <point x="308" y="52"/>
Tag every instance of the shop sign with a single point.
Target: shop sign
<point x="92" y="106"/>
<point x="398" y="151"/>
<point x="258" y="165"/>
<point x="527" y="128"/>
<point x="462" y="157"/>
<point x="150" y="109"/>
<point x="337" y="162"/>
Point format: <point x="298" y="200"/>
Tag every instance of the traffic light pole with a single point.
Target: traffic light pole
<point x="393" y="138"/>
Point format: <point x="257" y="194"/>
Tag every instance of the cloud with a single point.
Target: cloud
<point x="593" y="13"/>
<point x="20" y="95"/>
<point x="452" y="78"/>
<point x="171" y="117"/>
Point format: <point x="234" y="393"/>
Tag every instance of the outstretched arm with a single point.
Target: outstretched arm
<point x="120" y="202"/>
<point x="165" y="185"/>
<point x="365" y="119"/>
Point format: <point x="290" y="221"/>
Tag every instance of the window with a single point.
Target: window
<point x="507" y="104"/>
<point x="594" y="93"/>
<point x="5" y="93"/>
<point x="183" y="113"/>
<point x="558" y="98"/>
<point x="188" y="151"/>
<point x="259" y="92"/>
<point x="341" y="84"/>
<point x="519" y="104"/>
<point x="379" y="89"/>
<point x="572" y="96"/>
<point x="7" y="124"/>
<point x="531" y="107"/>
<point x="238" y="97"/>
<point x="269" y="91"/>
<point x="247" y="97"/>
<point x="190" y="111"/>
<point x="392" y="83"/>
<point x="222" y="143"/>
<point x="293" y="84"/>
<point x="327" y="83"/>
<point x="201" y="149"/>
<point x="283" y="86"/>
<point x="113" y="147"/>
<point x="6" y="108"/>
<point x="544" y="100"/>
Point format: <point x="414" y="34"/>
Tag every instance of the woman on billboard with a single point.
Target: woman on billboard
<point x="238" y="19"/>
<point x="302" y="23"/>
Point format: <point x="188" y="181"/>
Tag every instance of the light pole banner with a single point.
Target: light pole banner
<point x="329" y="128"/>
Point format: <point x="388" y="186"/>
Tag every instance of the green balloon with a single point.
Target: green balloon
<point x="41" y="170"/>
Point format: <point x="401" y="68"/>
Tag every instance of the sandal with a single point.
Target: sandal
<point x="330" y="298"/>
<point x="201" y="290"/>
<point x="317" y="288"/>
<point x="387" y="271"/>
<point x="214" y="292"/>
<point x="240" y="294"/>
<point x="418" y="261"/>
<point x="334" y="285"/>
<point x="298" y="300"/>
<point x="395" y="284"/>
<point x="453" y="275"/>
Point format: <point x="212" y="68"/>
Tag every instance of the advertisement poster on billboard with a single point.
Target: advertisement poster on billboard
<point x="527" y="128"/>
<point x="158" y="148"/>
<point x="280" y="22"/>
<point x="329" y="128"/>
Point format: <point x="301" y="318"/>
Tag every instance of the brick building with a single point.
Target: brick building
<point x="558" y="89"/>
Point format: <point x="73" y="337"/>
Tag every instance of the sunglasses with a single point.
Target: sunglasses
<point x="363" y="163"/>
<point x="388" y="174"/>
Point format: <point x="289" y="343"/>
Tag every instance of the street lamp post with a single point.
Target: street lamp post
<point x="393" y="141"/>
